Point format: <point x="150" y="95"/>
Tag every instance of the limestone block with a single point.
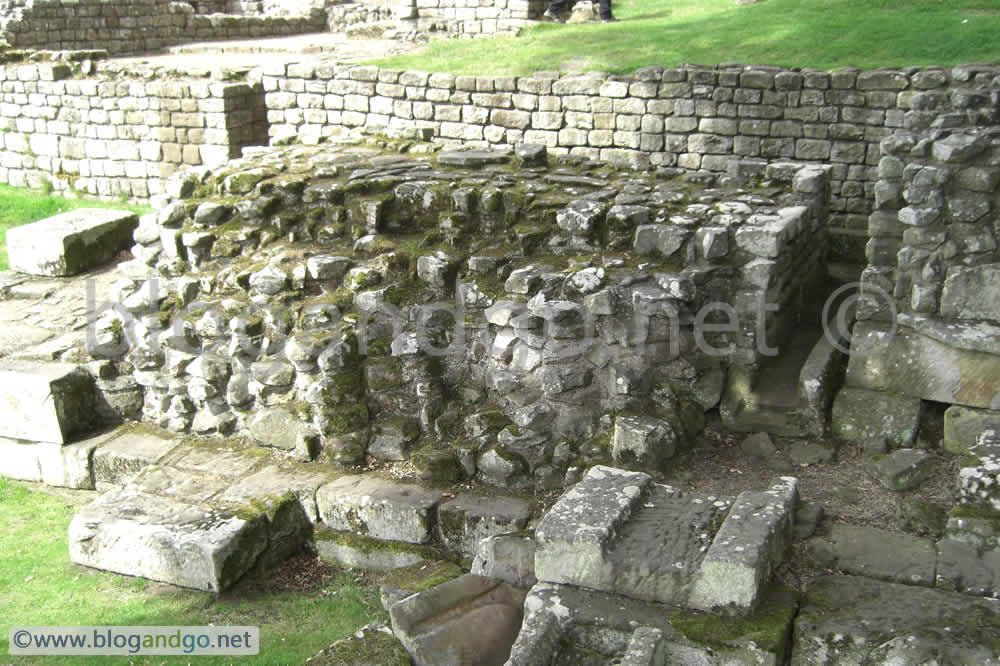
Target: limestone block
<point x="360" y="552"/>
<point x="468" y="620"/>
<point x="962" y="426"/>
<point x="972" y="292"/>
<point x="467" y="519"/>
<point x="68" y="466"/>
<point x="979" y="481"/>
<point x="509" y="557"/>
<point x="378" y="508"/>
<point x="664" y="239"/>
<point x="875" y="553"/>
<point x="866" y="416"/>
<point x="644" y="441"/>
<point x="962" y="567"/>
<point x="122" y="457"/>
<point x="300" y="481"/>
<point x="902" y="469"/>
<point x="191" y="545"/>
<point x="748" y="547"/>
<point x="71" y="242"/>
<point x="45" y="402"/>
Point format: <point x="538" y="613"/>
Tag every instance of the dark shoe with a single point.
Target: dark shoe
<point x="550" y="15"/>
<point x="610" y="19"/>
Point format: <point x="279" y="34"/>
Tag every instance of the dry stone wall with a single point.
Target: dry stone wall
<point x="138" y="26"/>
<point x="696" y="118"/>
<point x="109" y="135"/>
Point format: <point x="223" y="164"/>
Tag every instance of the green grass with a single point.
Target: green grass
<point x="793" y="33"/>
<point x="20" y="206"/>
<point x="39" y="586"/>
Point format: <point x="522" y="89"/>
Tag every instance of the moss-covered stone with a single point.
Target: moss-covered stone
<point x="436" y="465"/>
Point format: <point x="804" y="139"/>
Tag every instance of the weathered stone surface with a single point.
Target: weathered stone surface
<point x="45" y="402"/>
<point x="472" y="158"/>
<point x="121" y="458"/>
<point x="921" y="366"/>
<point x="643" y="441"/>
<point x="276" y="427"/>
<point x="901" y="469"/>
<point x="468" y="620"/>
<point x="71" y="242"/>
<point x="466" y="519"/>
<point x="509" y="557"/>
<point x="852" y="620"/>
<point x="360" y="552"/>
<point x="870" y="416"/>
<point x="866" y="551"/>
<point x="972" y="293"/>
<point x="378" y="508"/>
<point x="300" y="481"/>
<point x="645" y="648"/>
<point x="67" y="466"/>
<point x="659" y="238"/>
<point x="962" y="426"/>
<point x="979" y="478"/>
<point x="187" y="544"/>
<point x="747" y="549"/>
<point x="966" y="568"/>
<point x="372" y="645"/>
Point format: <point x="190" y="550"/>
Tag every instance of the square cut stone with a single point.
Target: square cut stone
<point x="378" y="508"/>
<point x="71" y="242"/>
<point x="45" y="402"/>
<point x="121" y="458"/>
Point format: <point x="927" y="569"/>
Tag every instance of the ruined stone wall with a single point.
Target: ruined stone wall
<point x="689" y="117"/>
<point x="111" y="136"/>
<point x="137" y="26"/>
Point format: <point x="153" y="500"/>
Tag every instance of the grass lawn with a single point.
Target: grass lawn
<point x="302" y="610"/>
<point x="822" y="33"/>
<point x="20" y="206"/>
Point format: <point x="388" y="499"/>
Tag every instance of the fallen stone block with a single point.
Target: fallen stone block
<point x="378" y="508"/>
<point x="875" y="553"/>
<point x="854" y="620"/>
<point x="467" y="620"/>
<point x="900" y="470"/>
<point x="118" y="460"/>
<point x="643" y="441"/>
<point x="864" y="416"/>
<point x="466" y="519"/>
<point x="509" y="557"/>
<point x="71" y="242"/>
<point x="45" y="402"/>
<point x="748" y="547"/>
<point x="187" y="544"/>
<point x="965" y="568"/>
<point x="360" y="552"/>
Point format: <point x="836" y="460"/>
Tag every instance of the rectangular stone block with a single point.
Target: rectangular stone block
<point x="44" y="402"/>
<point x="124" y="456"/>
<point x="71" y="242"/>
<point x="378" y="508"/>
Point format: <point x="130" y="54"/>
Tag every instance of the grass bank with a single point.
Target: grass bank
<point x="791" y="33"/>
<point x="20" y="206"/>
<point x="300" y="611"/>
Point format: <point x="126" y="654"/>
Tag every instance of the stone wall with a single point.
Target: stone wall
<point x="137" y="26"/>
<point x="113" y="136"/>
<point x="695" y="118"/>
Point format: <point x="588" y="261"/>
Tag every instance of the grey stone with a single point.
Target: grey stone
<point x="68" y="466"/>
<point x="45" y="402"/>
<point x="902" y="469"/>
<point x="531" y="154"/>
<point x="866" y="551"/>
<point x="972" y="292"/>
<point x="660" y="239"/>
<point x="71" y="242"/>
<point x="859" y="620"/>
<point x="471" y="158"/>
<point x="269" y="280"/>
<point x="211" y="214"/>
<point x="580" y="218"/>
<point x="119" y="459"/>
<point x="863" y="416"/>
<point x="758" y="445"/>
<point x="467" y="519"/>
<point x="802" y="452"/>
<point x="964" y="568"/>
<point x="302" y="482"/>
<point x="437" y="271"/>
<point x="392" y="439"/>
<point x="979" y="477"/>
<point x="509" y="557"/>
<point x="467" y="620"/>
<point x="359" y="552"/>
<point x="379" y="508"/>
<point x="959" y="147"/>
<point x="275" y="426"/>
<point x="747" y="549"/>
<point x="323" y="268"/>
<point x="643" y="441"/>
<point x="645" y="648"/>
<point x="187" y="544"/>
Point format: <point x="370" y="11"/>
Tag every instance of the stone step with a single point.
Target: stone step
<point x="379" y="508"/>
<point x="467" y="519"/>
<point x="127" y="452"/>
<point x="864" y="621"/>
<point x="63" y="465"/>
<point x="45" y="402"/>
<point x="359" y="552"/>
<point x="71" y="242"/>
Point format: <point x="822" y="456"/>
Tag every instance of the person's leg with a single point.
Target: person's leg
<point x="604" y="10"/>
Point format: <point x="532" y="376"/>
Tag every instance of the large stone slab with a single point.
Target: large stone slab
<point x="875" y="553"/>
<point x="962" y="426"/>
<point x="378" y="508"/>
<point x="360" y="552"/>
<point x="919" y="366"/>
<point x="564" y="624"/>
<point x="68" y="466"/>
<point x="71" y="242"/>
<point x="853" y="620"/>
<point x="119" y="459"/>
<point x="467" y="620"/>
<point x="467" y="518"/>
<point x="963" y="567"/>
<point x="862" y="415"/>
<point x="300" y="481"/>
<point x="747" y="548"/>
<point x="193" y="545"/>
<point x="45" y="402"/>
